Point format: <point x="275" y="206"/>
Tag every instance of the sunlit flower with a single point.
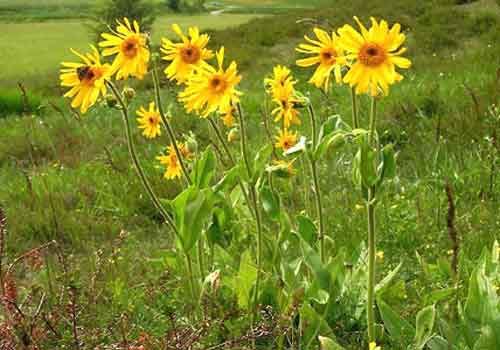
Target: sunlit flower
<point x="187" y="55"/>
<point x="149" y="121"/>
<point x="327" y="54"/>
<point x="376" y="54"/>
<point x="281" y="78"/>
<point x="86" y="79"/>
<point x="171" y="162"/>
<point x="286" y="139"/>
<point x="227" y="115"/>
<point x="286" y="101"/>
<point x="373" y="346"/>
<point x="211" y="89"/>
<point x="130" y="47"/>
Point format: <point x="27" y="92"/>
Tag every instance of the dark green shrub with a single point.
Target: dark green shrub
<point x="174" y="5"/>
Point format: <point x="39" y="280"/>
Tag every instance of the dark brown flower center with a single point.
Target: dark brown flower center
<point x="190" y="54"/>
<point x="218" y="84"/>
<point x="130" y="47"/>
<point x="372" y="55"/>
<point x="87" y="74"/>
<point x="328" y="56"/>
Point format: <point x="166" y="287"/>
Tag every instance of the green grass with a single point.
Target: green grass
<point x="72" y="180"/>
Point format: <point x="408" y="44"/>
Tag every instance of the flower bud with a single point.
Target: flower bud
<point x="111" y="100"/>
<point x="191" y="144"/>
<point x="128" y="93"/>
<point x="233" y="135"/>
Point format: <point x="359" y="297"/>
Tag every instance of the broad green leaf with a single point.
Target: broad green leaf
<point x="313" y="261"/>
<point x="270" y="202"/>
<point x="399" y="329"/>
<point x="387" y="167"/>
<point x="247" y="275"/>
<point x="439" y="295"/>
<point x="204" y="168"/>
<point x="367" y="165"/>
<point x="192" y="209"/>
<point x="425" y="325"/>
<point x="307" y="229"/>
<point x="331" y="142"/>
<point x="329" y="344"/>
<point x="314" y="324"/>
<point x="260" y="161"/>
<point x="229" y="180"/>
<point x="438" y="343"/>
<point x="490" y="337"/>
<point x="387" y="280"/>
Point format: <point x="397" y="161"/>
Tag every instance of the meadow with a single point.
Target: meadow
<point x="87" y="261"/>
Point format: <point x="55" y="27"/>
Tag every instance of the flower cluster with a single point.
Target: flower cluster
<point x="370" y="56"/>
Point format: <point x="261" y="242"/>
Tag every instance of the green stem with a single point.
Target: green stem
<point x="254" y="198"/>
<point x="201" y="263"/>
<point x="317" y="188"/>
<point x="355" y="121"/>
<point x="370" y="208"/>
<point x="168" y="127"/>
<point x="133" y="155"/>
<point x="189" y="264"/>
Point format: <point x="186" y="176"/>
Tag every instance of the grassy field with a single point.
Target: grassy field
<point x="72" y="181"/>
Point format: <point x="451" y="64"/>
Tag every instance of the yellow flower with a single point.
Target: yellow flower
<point x="130" y="47"/>
<point x="373" y="346"/>
<point x="187" y="55"/>
<point x="281" y="78"/>
<point x="211" y="89"/>
<point x="283" y="168"/>
<point x="285" y="140"/>
<point x="325" y="52"/>
<point x="287" y="101"/>
<point x="227" y="115"/>
<point x="86" y="79"/>
<point x="171" y="162"/>
<point x="149" y="121"/>
<point x="376" y="53"/>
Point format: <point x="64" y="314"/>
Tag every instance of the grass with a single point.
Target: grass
<point x="72" y="181"/>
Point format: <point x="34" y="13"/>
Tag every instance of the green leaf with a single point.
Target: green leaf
<point x="331" y="142"/>
<point x="490" y="337"/>
<point x="399" y="329"/>
<point x="313" y="262"/>
<point x="438" y="343"/>
<point x="204" y="168"/>
<point x="270" y="202"/>
<point x="387" y="168"/>
<point x="367" y="165"/>
<point x="425" y="325"/>
<point x="307" y="229"/>
<point x="439" y="295"/>
<point x="229" y="181"/>
<point x="329" y="344"/>
<point x="192" y="209"/>
<point x="260" y="161"/>
<point x="387" y="280"/>
<point x="247" y="275"/>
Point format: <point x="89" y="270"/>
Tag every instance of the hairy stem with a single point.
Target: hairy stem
<point x="355" y="121"/>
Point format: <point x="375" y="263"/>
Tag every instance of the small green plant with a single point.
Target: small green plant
<point x="16" y="102"/>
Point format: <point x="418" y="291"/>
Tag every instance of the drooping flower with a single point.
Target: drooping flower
<point x="286" y="139"/>
<point x="281" y="78"/>
<point x="286" y="101"/>
<point x="373" y="346"/>
<point x="376" y="53"/>
<point x="130" y="47"/>
<point x="186" y="56"/>
<point x="282" y="168"/>
<point x="171" y="162"/>
<point x="227" y="115"/>
<point x="327" y="54"/>
<point x="211" y="89"/>
<point x="149" y="121"/>
<point x="86" y="79"/>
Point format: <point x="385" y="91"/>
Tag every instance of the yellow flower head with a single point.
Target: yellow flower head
<point x="227" y="115"/>
<point x="283" y="168"/>
<point x="149" y="121"/>
<point x="281" y="78"/>
<point x="286" y="140"/>
<point x="86" y="79"/>
<point x="130" y="47"/>
<point x="171" y="162"/>
<point x="373" y="346"/>
<point x="327" y="54"/>
<point x="376" y="54"/>
<point x="211" y="89"/>
<point x="187" y="55"/>
<point x="284" y="97"/>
